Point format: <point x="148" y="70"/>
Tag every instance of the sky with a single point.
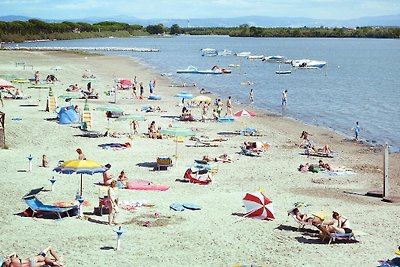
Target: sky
<point x="184" y="9"/>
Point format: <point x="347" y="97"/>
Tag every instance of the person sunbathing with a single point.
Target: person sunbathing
<point x="223" y="158"/>
<point x="201" y="175"/>
<point x="328" y="167"/>
<point x="303" y="217"/>
<point x="35" y="261"/>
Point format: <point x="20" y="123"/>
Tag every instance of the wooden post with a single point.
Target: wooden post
<point x="386" y="171"/>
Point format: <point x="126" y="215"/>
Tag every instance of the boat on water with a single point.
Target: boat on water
<point x="224" y="52"/>
<point x="274" y="59"/>
<point x="255" y="57"/>
<point x="194" y="70"/>
<point x="279" y="72"/>
<point x="307" y="63"/>
<point x="243" y="54"/>
<point x="208" y="52"/>
<point x="234" y="65"/>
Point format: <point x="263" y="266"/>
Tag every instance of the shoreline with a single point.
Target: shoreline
<point x="215" y="230"/>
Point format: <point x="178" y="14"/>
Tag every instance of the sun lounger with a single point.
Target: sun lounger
<point x="202" y="143"/>
<point x="164" y="162"/>
<point x="332" y="237"/>
<point x="301" y="223"/>
<point x="37" y="206"/>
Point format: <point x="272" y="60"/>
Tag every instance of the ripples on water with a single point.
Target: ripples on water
<point x="360" y="82"/>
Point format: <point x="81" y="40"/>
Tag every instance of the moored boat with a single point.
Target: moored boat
<point x="307" y="63"/>
<point x="243" y="54"/>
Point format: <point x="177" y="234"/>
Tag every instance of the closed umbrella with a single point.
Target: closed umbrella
<point x="80" y="167"/>
<point x="177" y="132"/>
<point x="258" y="206"/>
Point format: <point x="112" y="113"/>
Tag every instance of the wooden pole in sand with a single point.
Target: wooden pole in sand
<point x="386" y="171"/>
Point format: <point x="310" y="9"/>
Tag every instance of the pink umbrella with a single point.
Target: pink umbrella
<point x="258" y="206"/>
<point x="244" y="113"/>
<point x="5" y="84"/>
<point x="125" y="83"/>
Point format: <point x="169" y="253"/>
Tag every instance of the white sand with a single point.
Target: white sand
<point x="213" y="236"/>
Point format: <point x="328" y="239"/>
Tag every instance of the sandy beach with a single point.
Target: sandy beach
<point x="216" y="235"/>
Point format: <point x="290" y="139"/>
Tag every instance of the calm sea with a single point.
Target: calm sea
<point x="359" y="83"/>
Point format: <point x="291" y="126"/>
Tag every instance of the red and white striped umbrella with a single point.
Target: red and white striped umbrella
<point x="258" y="206"/>
<point x="244" y="113"/>
<point x="6" y="84"/>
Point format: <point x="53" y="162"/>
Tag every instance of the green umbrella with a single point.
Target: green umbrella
<point x="110" y="109"/>
<point x="131" y="118"/>
<point x="8" y="76"/>
<point x="71" y="96"/>
<point x="177" y="132"/>
<point x="21" y="80"/>
<point x="40" y="86"/>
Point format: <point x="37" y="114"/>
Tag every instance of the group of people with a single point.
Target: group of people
<point x="339" y="224"/>
<point x="153" y="131"/>
<point x="46" y="257"/>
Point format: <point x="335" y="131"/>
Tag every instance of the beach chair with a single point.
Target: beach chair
<point x="301" y="223"/>
<point x="164" y="162"/>
<point x="332" y="237"/>
<point x="37" y="206"/>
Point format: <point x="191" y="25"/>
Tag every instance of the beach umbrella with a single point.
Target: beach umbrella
<point x="244" y="113"/>
<point x="258" y="206"/>
<point x="110" y="109"/>
<point x="177" y="132"/>
<point x="6" y="84"/>
<point x="125" y="83"/>
<point x="21" y="80"/>
<point x="202" y="98"/>
<point x="131" y="118"/>
<point x="184" y="96"/>
<point x="80" y="167"/>
<point x="69" y="96"/>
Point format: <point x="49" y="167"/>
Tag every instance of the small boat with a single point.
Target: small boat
<point x="224" y="52"/>
<point x="243" y="54"/>
<point x="234" y="65"/>
<point x="192" y="69"/>
<point x="256" y="57"/>
<point x="307" y="64"/>
<point x="247" y="83"/>
<point x="274" y="59"/>
<point x="209" y="52"/>
<point x="283" y="72"/>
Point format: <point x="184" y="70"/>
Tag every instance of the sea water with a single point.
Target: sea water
<point x="359" y="83"/>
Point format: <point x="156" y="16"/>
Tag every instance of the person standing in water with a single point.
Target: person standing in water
<point x="251" y="96"/>
<point x="284" y="98"/>
<point x="356" y="130"/>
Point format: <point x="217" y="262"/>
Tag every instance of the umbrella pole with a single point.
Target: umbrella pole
<point x="176" y="150"/>
<point x="81" y="184"/>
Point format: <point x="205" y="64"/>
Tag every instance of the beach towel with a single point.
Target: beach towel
<point x="114" y="146"/>
<point x="340" y="173"/>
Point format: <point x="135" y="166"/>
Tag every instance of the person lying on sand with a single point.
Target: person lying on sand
<point x="328" y="167"/>
<point x="35" y="261"/>
<point x="223" y="158"/>
<point x="312" y="149"/>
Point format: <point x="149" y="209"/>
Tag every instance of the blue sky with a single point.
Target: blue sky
<point x="317" y="9"/>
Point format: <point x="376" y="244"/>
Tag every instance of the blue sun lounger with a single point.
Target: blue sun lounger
<point x="37" y="206"/>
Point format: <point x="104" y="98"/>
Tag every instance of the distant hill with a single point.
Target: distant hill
<point x="258" y="21"/>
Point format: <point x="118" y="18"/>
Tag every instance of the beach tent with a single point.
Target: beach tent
<point x="258" y="206"/>
<point x="67" y="115"/>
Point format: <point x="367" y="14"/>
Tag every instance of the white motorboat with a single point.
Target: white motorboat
<point x="224" y="52"/>
<point x="307" y="64"/>
<point x="274" y="59"/>
<point x="243" y="54"/>
<point x="209" y="52"/>
<point x="255" y="57"/>
<point x="192" y="69"/>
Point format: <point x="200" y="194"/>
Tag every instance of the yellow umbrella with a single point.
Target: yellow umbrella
<point x="202" y="98"/>
<point x="80" y="167"/>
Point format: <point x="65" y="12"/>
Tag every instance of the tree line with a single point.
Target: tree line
<point x="19" y="31"/>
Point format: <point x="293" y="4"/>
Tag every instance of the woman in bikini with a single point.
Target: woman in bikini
<point x="340" y="224"/>
<point x="39" y="260"/>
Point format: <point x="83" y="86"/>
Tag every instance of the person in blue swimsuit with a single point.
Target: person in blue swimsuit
<point x="356" y="130"/>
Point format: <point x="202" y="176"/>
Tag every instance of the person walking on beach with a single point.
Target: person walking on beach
<point x="37" y="78"/>
<point x="284" y="98"/>
<point x="135" y="81"/>
<point x="154" y="84"/>
<point x="151" y="87"/>
<point x="229" y="106"/>
<point x="356" y="130"/>
<point x="219" y="107"/>
<point x="141" y="90"/>
<point x="113" y="203"/>
<point x="251" y="96"/>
